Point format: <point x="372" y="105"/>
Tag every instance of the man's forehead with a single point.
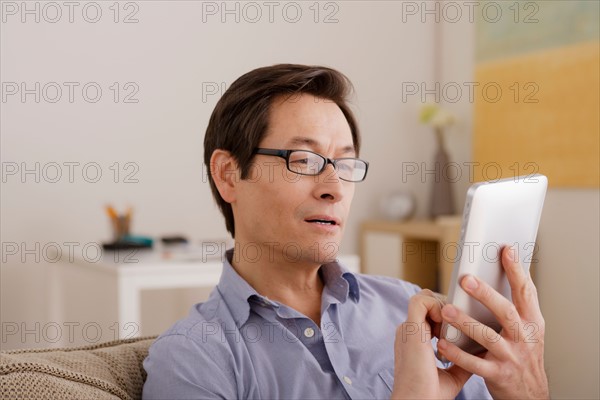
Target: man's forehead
<point x="306" y="121"/>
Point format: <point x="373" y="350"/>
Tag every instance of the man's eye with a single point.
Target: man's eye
<point x="300" y="161"/>
<point x="345" y="167"/>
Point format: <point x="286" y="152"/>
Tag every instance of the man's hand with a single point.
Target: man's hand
<point x="416" y="375"/>
<point x="513" y="366"/>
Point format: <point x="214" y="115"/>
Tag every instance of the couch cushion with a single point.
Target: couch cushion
<point x="111" y="370"/>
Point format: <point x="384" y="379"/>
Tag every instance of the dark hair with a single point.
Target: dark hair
<point x="240" y="118"/>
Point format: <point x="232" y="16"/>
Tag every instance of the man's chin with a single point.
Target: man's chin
<point x="316" y="251"/>
<point x="322" y="252"/>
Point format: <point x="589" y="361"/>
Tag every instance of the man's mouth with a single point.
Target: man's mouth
<point x="323" y="220"/>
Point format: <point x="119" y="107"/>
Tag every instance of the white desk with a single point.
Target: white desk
<point x="124" y="278"/>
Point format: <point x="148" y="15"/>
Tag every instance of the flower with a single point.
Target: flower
<point x="434" y="115"/>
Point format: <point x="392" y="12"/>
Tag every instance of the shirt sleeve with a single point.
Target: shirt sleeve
<point x="475" y="388"/>
<point x="180" y="368"/>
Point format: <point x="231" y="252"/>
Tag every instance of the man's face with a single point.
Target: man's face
<point x="278" y="209"/>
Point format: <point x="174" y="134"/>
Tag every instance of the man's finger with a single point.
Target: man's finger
<point x="505" y="312"/>
<point x="466" y="361"/>
<point x="458" y="375"/>
<point x="481" y="333"/>
<point x="523" y="291"/>
<point x="422" y="306"/>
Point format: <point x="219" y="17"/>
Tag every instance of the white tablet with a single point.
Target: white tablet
<point x="496" y="214"/>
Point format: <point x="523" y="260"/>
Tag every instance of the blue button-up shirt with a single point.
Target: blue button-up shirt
<point x="239" y="344"/>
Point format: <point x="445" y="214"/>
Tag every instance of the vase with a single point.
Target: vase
<point x="442" y="200"/>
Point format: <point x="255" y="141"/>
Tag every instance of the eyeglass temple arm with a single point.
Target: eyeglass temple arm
<point x="272" y="152"/>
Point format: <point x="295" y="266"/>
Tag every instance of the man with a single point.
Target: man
<point x="286" y="320"/>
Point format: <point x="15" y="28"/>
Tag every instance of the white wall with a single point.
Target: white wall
<point x="170" y="54"/>
<point x="567" y="272"/>
<point x="568" y="278"/>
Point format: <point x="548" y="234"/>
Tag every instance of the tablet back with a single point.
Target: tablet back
<point x="496" y="214"/>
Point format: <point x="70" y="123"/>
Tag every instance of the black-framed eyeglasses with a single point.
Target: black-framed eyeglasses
<point x="306" y="162"/>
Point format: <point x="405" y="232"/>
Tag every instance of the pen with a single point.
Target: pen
<point x="111" y="212"/>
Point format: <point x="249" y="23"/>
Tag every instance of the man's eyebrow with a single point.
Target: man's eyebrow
<point x="301" y="140"/>
<point x="306" y="141"/>
<point x="348" y="149"/>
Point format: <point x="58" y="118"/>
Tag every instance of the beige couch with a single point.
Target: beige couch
<point x="111" y="370"/>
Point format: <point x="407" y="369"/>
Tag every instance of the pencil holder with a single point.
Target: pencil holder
<point x="120" y="227"/>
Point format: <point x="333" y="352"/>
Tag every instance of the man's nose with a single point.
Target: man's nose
<point x="329" y="185"/>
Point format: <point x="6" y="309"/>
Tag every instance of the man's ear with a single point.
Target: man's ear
<point x="224" y="171"/>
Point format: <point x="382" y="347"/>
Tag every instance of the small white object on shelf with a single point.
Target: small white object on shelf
<point x="398" y="206"/>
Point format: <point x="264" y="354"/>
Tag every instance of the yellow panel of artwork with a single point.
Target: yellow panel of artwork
<point x="540" y="112"/>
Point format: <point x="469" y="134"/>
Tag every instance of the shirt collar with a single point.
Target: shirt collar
<point x="339" y="282"/>
<point x="237" y="293"/>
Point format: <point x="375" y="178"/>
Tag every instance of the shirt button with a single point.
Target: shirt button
<point x="309" y="332"/>
<point x="347" y="380"/>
